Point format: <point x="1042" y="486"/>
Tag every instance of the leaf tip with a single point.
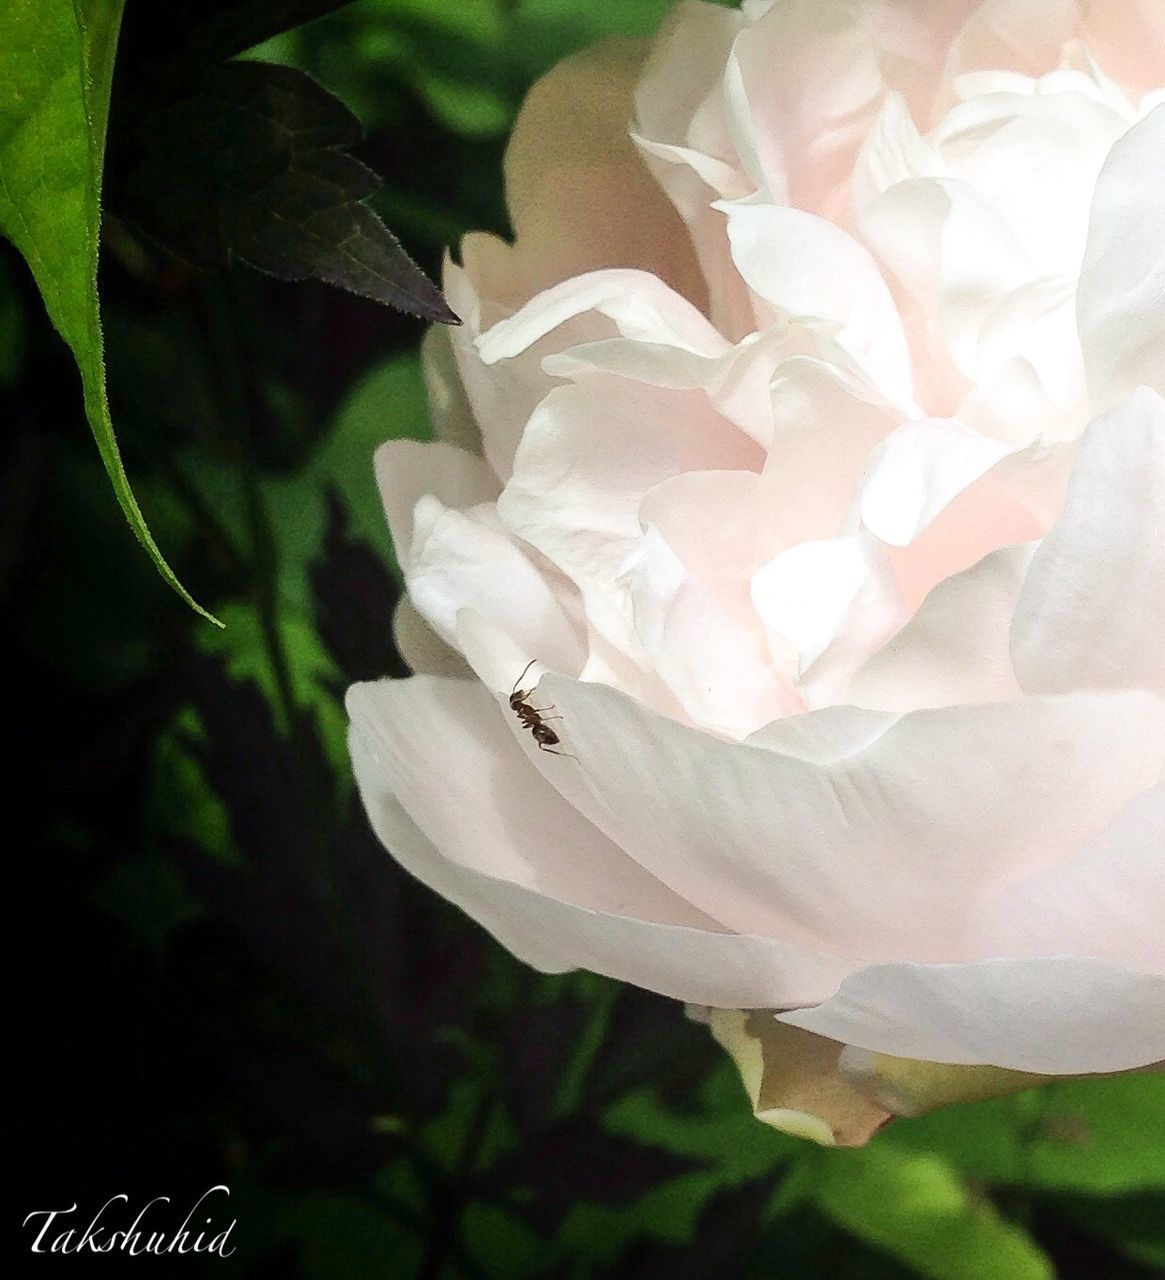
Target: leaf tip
<point x="448" y="316"/>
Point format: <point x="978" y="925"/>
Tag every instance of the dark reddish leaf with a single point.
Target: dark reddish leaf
<point x="253" y="165"/>
<point x="164" y="46"/>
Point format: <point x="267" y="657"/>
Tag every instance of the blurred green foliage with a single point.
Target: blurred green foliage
<point x="386" y="1091"/>
<point x="469" y="63"/>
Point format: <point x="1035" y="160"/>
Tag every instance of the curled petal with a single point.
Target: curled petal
<point x="1059" y="1015"/>
<point x="806" y="267"/>
<point x="637" y="304"/>
<point x="792" y="1078"/>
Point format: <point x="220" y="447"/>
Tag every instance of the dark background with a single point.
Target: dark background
<point x="217" y="973"/>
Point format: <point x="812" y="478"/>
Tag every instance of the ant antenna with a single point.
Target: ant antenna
<point x="522" y="677"/>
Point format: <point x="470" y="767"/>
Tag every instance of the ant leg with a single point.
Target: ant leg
<point x="551" y="751"/>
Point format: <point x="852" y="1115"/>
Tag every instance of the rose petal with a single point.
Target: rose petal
<point x="1092" y="611"/>
<point x="470" y="561"/>
<point x="917" y="471"/>
<point x="1122" y="282"/>
<point x="711" y="662"/>
<point x="1011" y="404"/>
<point x="1129" y="39"/>
<point x="525" y="865"/>
<point x="682" y="131"/>
<point x="894" y="151"/>
<point x="809" y="269"/>
<point x="578" y="193"/>
<point x="738" y="382"/>
<point x="637" y="304"/>
<point x="407" y="471"/>
<point x="709" y="519"/>
<point x="505" y="394"/>
<point x="1060" y="1016"/>
<point x="677" y="93"/>
<point x="1014" y="501"/>
<point x="954" y="256"/>
<point x="1036" y="325"/>
<point x="884" y="845"/>
<point x="803" y="84"/>
<point x="421" y="647"/>
<point x="1106" y="901"/>
<point x="792" y="1079"/>
<point x="694" y="182"/>
<point x="589" y="455"/>
<point x="955" y="649"/>
<point x="1033" y="158"/>
<point x="921" y="32"/>
<point x="1027" y="36"/>
<point x="825" y="423"/>
<point x="831" y="604"/>
<point x="449" y="406"/>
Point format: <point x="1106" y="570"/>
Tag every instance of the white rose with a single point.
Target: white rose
<point x="810" y="442"/>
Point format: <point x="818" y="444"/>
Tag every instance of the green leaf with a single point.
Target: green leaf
<point x="915" y="1208"/>
<point x="254" y="165"/>
<point x="721" y="1132"/>
<point x="340" y="1237"/>
<point x="388" y="402"/>
<point x="1094" y="1137"/>
<point x="181" y="804"/>
<point x="56" y="63"/>
<point x="499" y="1242"/>
<point x="150" y="899"/>
<point x="1104" y="1137"/>
<point x="12" y="336"/>
<point x="1135" y="1225"/>
<point x="243" y="648"/>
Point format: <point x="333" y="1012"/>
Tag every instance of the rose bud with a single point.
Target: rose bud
<point x="786" y="586"/>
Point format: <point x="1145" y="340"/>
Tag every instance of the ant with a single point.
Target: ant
<point x="534" y="718"/>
